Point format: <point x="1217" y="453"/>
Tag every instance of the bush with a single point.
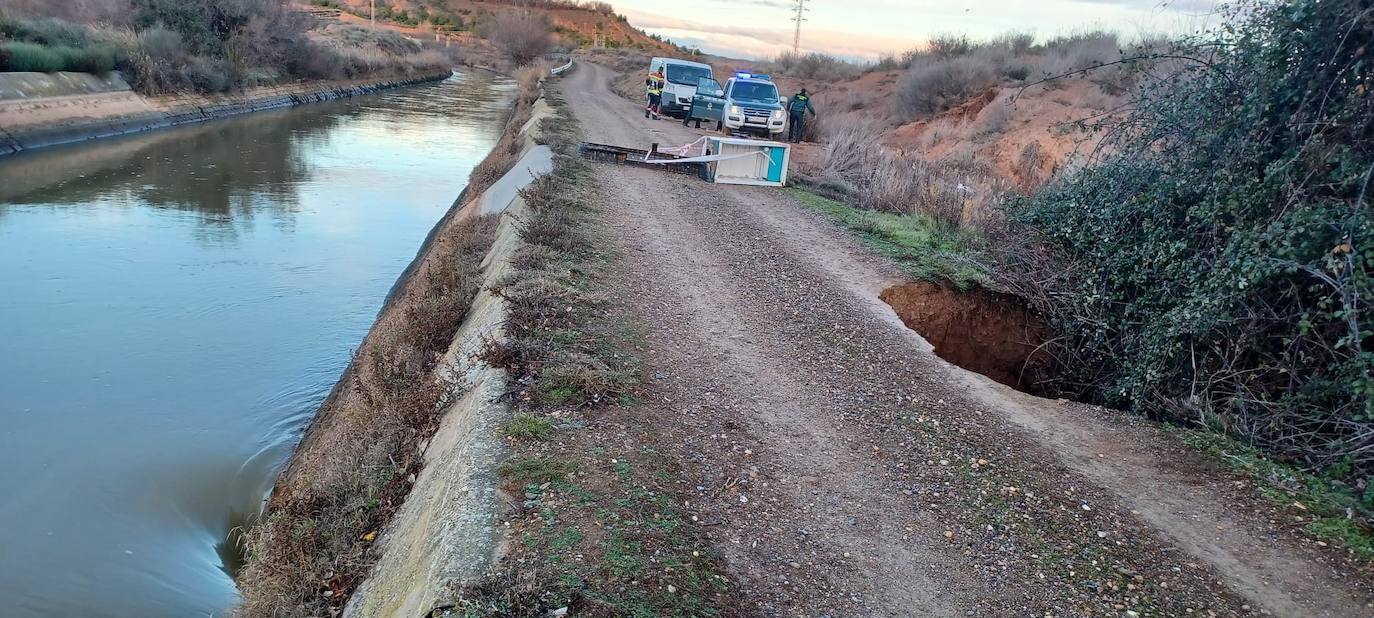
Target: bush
<point x="49" y="32"/>
<point x="1078" y="52"/>
<point x="946" y="47"/>
<point x="815" y="66"/>
<point x="88" y="59"/>
<point x="47" y="45"/>
<point x="523" y="37"/>
<point x="930" y="88"/>
<point x="68" y="12"/>
<point x="1217" y="264"/>
<point x="905" y="183"/>
<point x="22" y="56"/>
<point x="200" y="45"/>
<point x="33" y="57"/>
<point x="1019" y="43"/>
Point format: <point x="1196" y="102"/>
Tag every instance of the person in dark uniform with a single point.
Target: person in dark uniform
<point x="797" y="106"/>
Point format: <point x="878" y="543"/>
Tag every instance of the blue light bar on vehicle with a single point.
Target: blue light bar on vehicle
<point x="742" y="75"/>
<point x="748" y="75"/>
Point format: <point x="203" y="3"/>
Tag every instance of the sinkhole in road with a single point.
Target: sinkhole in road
<point x="992" y="333"/>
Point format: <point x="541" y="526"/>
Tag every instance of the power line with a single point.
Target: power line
<point x="799" y="18"/>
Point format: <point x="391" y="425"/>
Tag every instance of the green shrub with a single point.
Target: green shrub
<point x="91" y="59"/>
<point x="32" y="57"/>
<point x="1219" y="258"/>
<point x="24" y="56"/>
<point x="49" y="31"/>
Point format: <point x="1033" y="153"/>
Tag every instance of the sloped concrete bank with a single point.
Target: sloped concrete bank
<point x="39" y="109"/>
<point x="446" y="535"/>
<point x="442" y="531"/>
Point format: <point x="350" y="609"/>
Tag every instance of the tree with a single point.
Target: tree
<point x="522" y="36"/>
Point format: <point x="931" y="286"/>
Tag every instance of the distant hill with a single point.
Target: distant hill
<point x="576" y="24"/>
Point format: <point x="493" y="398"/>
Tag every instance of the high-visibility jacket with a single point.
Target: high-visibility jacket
<point x="655" y="83"/>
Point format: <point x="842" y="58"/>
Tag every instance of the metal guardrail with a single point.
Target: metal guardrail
<point x="562" y="69"/>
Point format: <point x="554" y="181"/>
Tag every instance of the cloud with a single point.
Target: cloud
<point x="867" y="29"/>
<point x="758" y="42"/>
<point x="1194" y="7"/>
<point x="772" y="4"/>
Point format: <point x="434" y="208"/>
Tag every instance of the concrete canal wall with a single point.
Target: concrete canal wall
<point x="46" y="109"/>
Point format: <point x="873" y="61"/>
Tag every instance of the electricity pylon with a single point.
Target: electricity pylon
<point x="796" y="35"/>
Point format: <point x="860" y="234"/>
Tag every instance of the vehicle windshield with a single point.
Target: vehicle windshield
<point x="708" y="87"/>
<point x="757" y="91"/>
<point x="685" y="74"/>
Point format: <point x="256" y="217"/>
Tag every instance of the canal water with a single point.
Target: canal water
<point x="173" y="307"/>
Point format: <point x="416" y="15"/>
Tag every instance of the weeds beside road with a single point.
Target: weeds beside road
<point x="597" y="528"/>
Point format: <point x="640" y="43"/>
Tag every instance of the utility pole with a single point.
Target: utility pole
<point x="373" y="19"/>
<point x="796" y="36"/>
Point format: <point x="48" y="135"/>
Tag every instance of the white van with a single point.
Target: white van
<point x="680" y="82"/>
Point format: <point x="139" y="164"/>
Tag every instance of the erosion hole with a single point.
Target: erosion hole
<point x="980" y="330"/>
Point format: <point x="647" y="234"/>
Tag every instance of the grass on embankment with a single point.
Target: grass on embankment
<point x="917" y="243"/>
<point x="596" y="529"/>
<point x="1332" y="510"/>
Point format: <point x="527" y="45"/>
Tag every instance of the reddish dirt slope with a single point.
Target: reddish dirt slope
<point x="1023" y="135"/>
<point x="576" y="27"/>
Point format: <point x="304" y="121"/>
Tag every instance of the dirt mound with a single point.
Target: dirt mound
<point x="991" y="333"/>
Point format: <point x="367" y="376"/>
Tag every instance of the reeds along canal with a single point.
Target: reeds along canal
<point x="174" y="305"/>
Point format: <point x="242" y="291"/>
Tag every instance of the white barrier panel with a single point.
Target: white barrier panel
<point x="746" y="161"/>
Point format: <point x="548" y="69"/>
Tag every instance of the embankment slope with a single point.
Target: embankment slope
<point x="390" y="501"/>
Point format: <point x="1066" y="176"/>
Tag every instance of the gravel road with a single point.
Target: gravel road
<point x="844" y="470"/>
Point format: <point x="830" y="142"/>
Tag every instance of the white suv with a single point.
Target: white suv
<point x="752" y="105"/>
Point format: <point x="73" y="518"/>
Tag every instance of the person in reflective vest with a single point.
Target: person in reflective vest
<point x="797" y="106"/>
<point x="655" y="88"/>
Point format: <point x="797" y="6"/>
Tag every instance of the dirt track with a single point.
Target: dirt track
<point x="844" y="470"/>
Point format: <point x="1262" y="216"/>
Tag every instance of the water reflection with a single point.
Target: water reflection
<point x="173" y="306"/>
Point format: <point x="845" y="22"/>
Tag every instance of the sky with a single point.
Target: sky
<point x="866" y="29"/>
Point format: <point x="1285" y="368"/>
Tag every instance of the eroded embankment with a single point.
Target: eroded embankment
<point x="38" y="109"/>
<point x="980" y="330"/>
<point x="389" y="500"/>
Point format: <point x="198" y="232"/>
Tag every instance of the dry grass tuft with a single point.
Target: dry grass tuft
<point x="953" y="193"/>
<point x="549" y="351"/>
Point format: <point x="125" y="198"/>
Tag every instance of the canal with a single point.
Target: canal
<point x="174" y="306"/>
